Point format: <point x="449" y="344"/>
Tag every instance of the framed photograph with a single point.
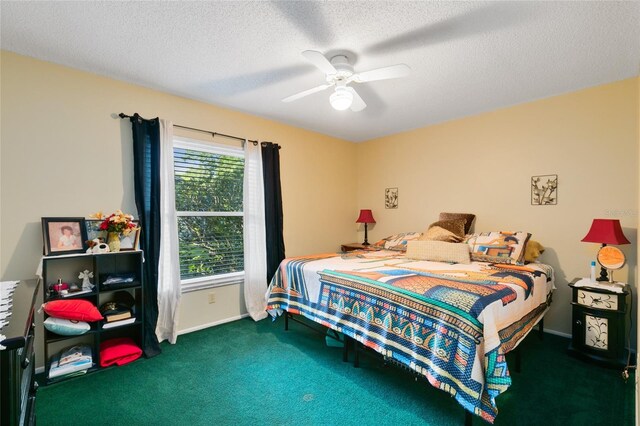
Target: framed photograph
<point x="63" y="235"/>
<point x="131" y="242"/>
<point x="93" y="230"/>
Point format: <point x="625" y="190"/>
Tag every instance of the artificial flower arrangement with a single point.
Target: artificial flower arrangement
<point x="117" y="222"/>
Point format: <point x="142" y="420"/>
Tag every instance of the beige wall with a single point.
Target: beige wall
<point x="636" y="298"/>
<point x="483" y="165"/>
<point x="64" y="153"/>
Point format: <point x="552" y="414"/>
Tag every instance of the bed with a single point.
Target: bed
<point x="449" y="322"/>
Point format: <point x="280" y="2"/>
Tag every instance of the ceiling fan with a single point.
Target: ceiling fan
<point x="339" y="73"/>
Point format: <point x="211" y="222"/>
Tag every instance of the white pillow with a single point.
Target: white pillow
<point x="438" y="251"/>
<point x="65" y="327"/>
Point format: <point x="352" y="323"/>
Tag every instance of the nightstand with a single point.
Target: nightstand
<point x="600" y="324"/>
<point x="353" y="246"/>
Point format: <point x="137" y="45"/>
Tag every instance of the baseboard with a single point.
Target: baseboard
<point x="40" y="370"/>
<point x="557" y="333"/>
<point x="212" y="324"/>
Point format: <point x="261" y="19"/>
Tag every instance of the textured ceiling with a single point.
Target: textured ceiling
<point x="466" y="57"/>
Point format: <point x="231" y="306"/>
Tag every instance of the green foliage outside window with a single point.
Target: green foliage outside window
<point x="210" y="244"/>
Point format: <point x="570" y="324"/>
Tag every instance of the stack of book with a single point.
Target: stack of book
<point x="118" y="323"/>
<point x="72" y="361"/>
<point x="116" y="314"/>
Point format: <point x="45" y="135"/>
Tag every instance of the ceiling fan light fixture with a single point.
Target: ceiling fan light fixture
<point x="341" y="99"/>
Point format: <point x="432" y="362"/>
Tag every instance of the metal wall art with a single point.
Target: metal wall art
<point x="391" y="198"/>
<point x="544" y="190"/>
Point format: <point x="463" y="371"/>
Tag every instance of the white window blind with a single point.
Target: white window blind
<point x="208" y="185"/>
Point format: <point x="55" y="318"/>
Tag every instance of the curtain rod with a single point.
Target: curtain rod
<point x="213" y="134"/>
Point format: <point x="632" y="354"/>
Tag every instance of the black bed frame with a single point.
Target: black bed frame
<point x="359" y="348"/>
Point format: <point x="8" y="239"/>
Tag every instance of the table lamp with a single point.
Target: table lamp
<point x="365" y="217"/>
<point x="605" y="231"/>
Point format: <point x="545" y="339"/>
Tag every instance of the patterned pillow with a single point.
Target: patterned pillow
<point x="468" y="217"/>
<point x="398" y="241"/>
<point x="438" y="251"/>
<point x="436" y="233"/>
<point x="456" y="226"/>
<point x="498" y="247"/>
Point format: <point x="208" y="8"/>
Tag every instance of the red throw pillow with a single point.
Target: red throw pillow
<point x="119" y="351"/>
<point x="74" y="309"/>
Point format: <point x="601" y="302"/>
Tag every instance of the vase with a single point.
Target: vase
<point x="113" y="240"/>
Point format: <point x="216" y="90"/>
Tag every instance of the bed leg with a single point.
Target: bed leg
<point x="356" y="354"/>
<point x="518" y="359"/>
<point x="468" y="418"/>
<point x="286" y="321"/>
<point x="541" y="329"/>
<point x="345" y="348"/>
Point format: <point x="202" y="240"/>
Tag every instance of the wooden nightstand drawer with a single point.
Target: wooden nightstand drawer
<point x="598" y="300"/>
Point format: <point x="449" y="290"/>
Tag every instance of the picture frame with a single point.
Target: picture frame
<point x="93" y="230"/>
<point x="131" y="242"/>
<point x="391" y="198"/>
<point x="544" y="190"/>
<point x="63" y="235"/>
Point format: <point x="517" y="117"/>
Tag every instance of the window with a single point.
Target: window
<point x="208" y="186"/>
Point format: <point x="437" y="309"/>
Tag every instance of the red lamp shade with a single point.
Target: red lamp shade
<point x="365" y="217"/>
<point x="606" y="231"/>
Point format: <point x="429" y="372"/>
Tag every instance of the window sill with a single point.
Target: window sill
<point x="196" y="284"/>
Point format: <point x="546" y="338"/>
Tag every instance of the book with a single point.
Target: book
<point x="75" y="293"/>
<point x="66" y="376"/>
<point x="71" y="360"/>
<point x="117" y="317"/>
<point x="119" y="323"/>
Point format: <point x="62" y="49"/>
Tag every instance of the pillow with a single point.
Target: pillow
<point x="65" y="327"/>
<point x="436" y="233"/>
<point x="498" y="247"/>
<point x="74" y="309"/>
<point x="456" y="226"/>
<point x="532" y="251"/>
<point x="468" y="217"/>
<point x="438" y="251"/>
<point x="397" y="241"/>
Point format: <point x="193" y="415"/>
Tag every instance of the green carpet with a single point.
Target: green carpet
<point x="246" y="373"/>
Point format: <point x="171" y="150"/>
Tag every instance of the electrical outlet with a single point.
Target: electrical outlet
<point x="212" y="297"/>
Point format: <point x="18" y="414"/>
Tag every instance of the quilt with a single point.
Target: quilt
<point x="451" y="323"/>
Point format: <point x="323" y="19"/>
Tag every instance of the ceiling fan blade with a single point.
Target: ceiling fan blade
<point x="358" y="104"/>
<point x="306" y="92"/>
<point x="319" y="60"/>
<point x="385" y="73"/>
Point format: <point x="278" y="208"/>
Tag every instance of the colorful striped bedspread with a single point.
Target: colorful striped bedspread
<point x="451" y="323"/>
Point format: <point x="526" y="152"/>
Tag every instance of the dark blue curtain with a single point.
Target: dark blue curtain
<point x="272" y="207"/>
<point x="146" y="169"/>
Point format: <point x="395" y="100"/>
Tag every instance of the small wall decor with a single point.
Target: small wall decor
<point x="544" y="190"/>
<point x="391" y="198"/>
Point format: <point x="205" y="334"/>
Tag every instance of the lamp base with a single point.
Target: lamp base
<point x="603" y="275"/>
<point x="366" y="239"/>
